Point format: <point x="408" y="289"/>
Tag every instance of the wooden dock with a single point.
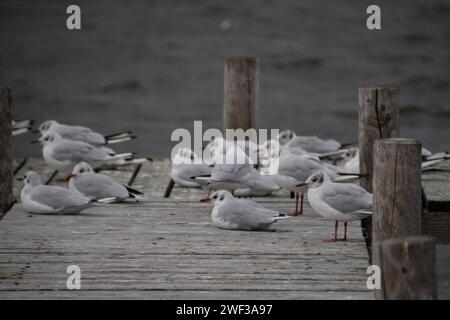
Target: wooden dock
<point x="168" y="249"/>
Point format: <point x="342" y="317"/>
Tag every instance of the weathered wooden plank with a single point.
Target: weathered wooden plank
<point x="436" y="184"/>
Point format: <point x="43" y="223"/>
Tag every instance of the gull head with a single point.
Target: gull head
<point x="46" y="125"/>
<point x="31" y="179"/>
<point x="185" y="156"/>
<point x="218" y="197"/>
<point x="350" y="154"/>
<point x="286" y="136"/>
<point x="49" y="138"/>
<point x="80" y="169"/>
<point x="316" y="179"/>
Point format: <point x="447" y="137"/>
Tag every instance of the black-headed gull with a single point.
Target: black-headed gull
<point x="350" y="163"/>
<point x="96" y="186"/>
<point x="308" y="143"/>
<point x="78" y="133"/>
<point x="62" y="155"/>
<point x="186" y="164"/>
<point x="337" y="201"/>
<point x="38" y="198"/>
<point x="239" y="214"/>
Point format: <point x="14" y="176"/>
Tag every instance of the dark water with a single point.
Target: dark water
<point x="154" y="66"/>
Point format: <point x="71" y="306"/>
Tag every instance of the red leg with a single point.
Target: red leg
<point x="296" y="212"/>
<point x="301" y="204"/>
<point x="345" y="232"/>
<point x="335" y="233"/>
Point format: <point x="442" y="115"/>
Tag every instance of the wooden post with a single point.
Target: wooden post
<point x="407" y="268"/>
<point x="241" y="86"/>
<point x="378" y="119"/>
<point x="6" y="167"/>
<point x="397" y="197"/>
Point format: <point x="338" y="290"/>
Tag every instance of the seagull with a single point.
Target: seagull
<point x="78" y="133"/>
<point x="21" y="126"/>
<point x="308" y="143"/>
<point x="337" y="201"/>
<point x="350" y="162"/>
<point x="294" y="170"/>
<point x="240" y="214"/>
<point x="186" y="164"/>
<point x="228" y="173"/>
<point x="62" y="155"/>
<point x="255" y="184"/>
<point x="39" y="198"/>
<point x="218" y="150"/>
<point x="83" y="180"/>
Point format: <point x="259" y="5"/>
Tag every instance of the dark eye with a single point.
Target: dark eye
<point x="221" y="198"/>
<point x="82" y="170"/>
<point x="46" y="138"/>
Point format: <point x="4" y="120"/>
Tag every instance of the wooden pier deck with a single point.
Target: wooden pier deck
<point x="168" y="249"/>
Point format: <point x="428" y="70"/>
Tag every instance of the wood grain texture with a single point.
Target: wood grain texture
<point x="408" y="269"/>
<point x="397" y="202"/>
<point x="6" y="161"/>
<point x="378" y="119"/>
<point x="241" y="86"/>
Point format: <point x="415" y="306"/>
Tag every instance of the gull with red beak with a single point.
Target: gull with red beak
<point x="342" y="202"/>
<point x="83" y="180"/>
<point x="240" y="214"/>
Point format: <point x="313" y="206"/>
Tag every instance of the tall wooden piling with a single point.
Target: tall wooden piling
<point x="397" y="197"/>
<point x="397" y="200"/>
<point x="407" y="268"/>
<point x="378" y="119"/>
<point x="6" y="169"/>
<point x="241" y="87"/>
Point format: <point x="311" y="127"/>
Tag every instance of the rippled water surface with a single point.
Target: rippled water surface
<point x="154" y="66"/>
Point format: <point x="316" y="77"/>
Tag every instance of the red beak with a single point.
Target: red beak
<point x="205" y="200"/>
<point x="70" y="175"/>
<point x="301" y="184"/>
<point x="35" y="141"/>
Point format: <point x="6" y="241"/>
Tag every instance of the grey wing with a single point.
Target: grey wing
<point x="79" y="133"/>
<point x="231" y="172"/>
<point x="98" y="186"/>
<point x="57" y="197"/>
<point x="315" y="144"/>
<point x="248" y="216"/>
<point x="255" y="181"/>
<point x="299" y="168"/>
<point x="346" y="198"/>
<point x="75" y="151"/>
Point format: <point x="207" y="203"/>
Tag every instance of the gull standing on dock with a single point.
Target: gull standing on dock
<point x="96" y="186"/>
<point x="239" y="214"/>
<point x="78" y="133"/>
<point x="38" y="198"/>
<point x="337" y="201"/>
<point x="62" y="155"/>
